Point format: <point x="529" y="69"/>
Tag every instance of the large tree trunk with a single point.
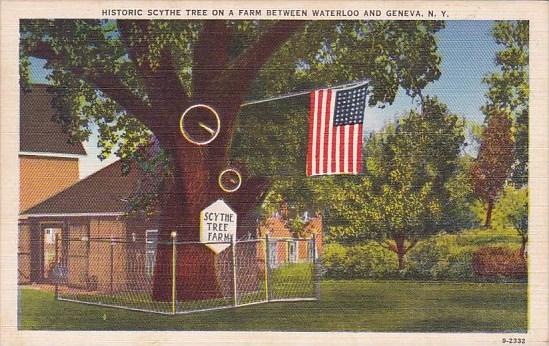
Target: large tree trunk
<point x="222" y="84"/>
<point x="400" y="248"/>
<point x="194" y="187"/>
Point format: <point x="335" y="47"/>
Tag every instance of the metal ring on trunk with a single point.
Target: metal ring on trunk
<point x="235" y="182"/>
<point x="213" y="132"/>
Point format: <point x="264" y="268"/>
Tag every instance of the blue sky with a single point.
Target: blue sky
<point x="467" y="51"/>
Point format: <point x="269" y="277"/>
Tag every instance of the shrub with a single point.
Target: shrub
<point x="493" y="262"/>
<point x="424" y="261"/>
<point x="370" y="261"/>
<point x="333" y="260"/>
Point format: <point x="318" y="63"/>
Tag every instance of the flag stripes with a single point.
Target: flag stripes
<point x="331" y="149"/>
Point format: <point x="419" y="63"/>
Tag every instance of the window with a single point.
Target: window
<point x="311" y="248"/>
<point x="49" y="235"/>
<point x="151" y="237"/>
<point x="292" y="251"/>
<point x="272" y="253"/>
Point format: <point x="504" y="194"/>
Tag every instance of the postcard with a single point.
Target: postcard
<point x="274" y="173"/>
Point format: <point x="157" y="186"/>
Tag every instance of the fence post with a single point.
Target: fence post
<point x="235" y="293"/>
<point x="316" y="278"/>
<point x="57" y="267"/>
<point x="174" y="261"/>
<point x="112" y="265"/>
<point x="267" y="260"/>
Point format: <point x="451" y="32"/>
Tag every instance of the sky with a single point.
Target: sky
<point x="468" y="53"/>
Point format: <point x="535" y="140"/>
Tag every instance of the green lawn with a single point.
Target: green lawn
<point x="360" y="305"/>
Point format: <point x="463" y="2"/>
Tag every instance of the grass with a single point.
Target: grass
<point x="359" y="305"/>
<point x="488" y="237"/>
<point x="293" y="280"/>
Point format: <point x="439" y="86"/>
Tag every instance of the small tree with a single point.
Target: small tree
<point x="406" y="194"/>
<point x="512" y="210"/>
<point x="508" y="87"/>
<point x="494" y="161"/>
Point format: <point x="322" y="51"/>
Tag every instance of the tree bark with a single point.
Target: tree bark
<point x="524" y="241"/>
<point x="489" y="208"/>
<point x="400" y="251"/>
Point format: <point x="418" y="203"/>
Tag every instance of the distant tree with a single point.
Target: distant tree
<point x="512" y="211"/>
<point x="494" y="162"/>
<point x="508" y="88"/>
<point x="407" y="193"/>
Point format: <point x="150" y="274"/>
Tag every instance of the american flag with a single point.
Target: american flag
<point x="335" y="130"/>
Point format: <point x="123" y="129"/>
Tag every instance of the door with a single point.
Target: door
<point x="292" y="251"/>
<point x="49" y="261"/>
<point x="151" y="238"/>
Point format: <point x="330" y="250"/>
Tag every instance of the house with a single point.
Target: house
<point x="93" y="208"/>
<point x="48" y="163"/>
<point x="96" y="208"/>
<point x="292" y="249"/>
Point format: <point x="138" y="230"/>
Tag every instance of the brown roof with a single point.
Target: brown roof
<point x="38" y="132"/>
<point x="105" y="191"/>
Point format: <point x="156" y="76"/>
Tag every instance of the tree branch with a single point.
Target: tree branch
<point x="107" y="83"/>
<point x="166" y="93"/>
<point x="245" y="67"/>
<point x="411" y="245"/>
<point x="210" y="55"/>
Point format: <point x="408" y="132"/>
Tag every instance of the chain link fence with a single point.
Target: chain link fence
<point x="171" y="277"/>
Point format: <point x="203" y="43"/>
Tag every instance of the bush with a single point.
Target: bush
<point x="493" y="262"/>
<point x="368" y="260"/>
<point x="460" y="265"/>
<point x="333" y="260"/>
<point x="371" y="261"/>
<point x="425" y="260"/>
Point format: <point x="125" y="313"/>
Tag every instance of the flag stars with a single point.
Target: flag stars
<point x="350" y="105"/>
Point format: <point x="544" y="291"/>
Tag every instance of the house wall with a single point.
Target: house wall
<point x="277" y="227"/>
<point x="105" y="257"/>
<point x="42" y="177"/>
<point x="24" y="254"/>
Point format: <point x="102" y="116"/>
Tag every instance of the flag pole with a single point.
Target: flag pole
<point x="299" y="93"/>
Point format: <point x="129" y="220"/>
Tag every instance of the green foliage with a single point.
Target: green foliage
<point x="269" y="138"/>
<point x="334" y="261"/>
<point x="371" y="261"/>
<point x="269" y="135"/>
<point x="512" y="210"/>
<point x="444" y="256"/>
<point x="411" y="183"/>
<point x="440" y="258"/>
<point x="493" y="164"/>
<point x="368" y="260"/>
<point x="508" y="88"/>
<point x="392" y="54"/>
